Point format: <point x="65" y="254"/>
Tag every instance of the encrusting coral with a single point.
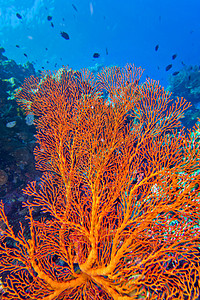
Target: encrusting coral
<point x="3" y="177"/>
<point x="119" y="195"/>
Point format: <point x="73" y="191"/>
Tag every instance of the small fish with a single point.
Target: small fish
<point x="106" y="51"/>
<point x="17" y="46"/>
<point x="18" y="16"/>
<point x="52" y="24"/>
<point x="46" y="49"/>
<point x="74" y="7"/>
<point x="43" y="68"/>
<point x="189" y="77"/>
<point x="174" y="56"/>
<point x="49" y="18"/>
<point x="64" y="35"/>
<point x="175" y="73"/>
<point x="96" y="55"/>
<point x="168" y="67"/>
<point x="47" y="62"/>
<point x="25" y="55"/>
<point x="156" y="47"/>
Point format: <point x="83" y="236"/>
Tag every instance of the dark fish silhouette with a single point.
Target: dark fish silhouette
<point x="174" y="56"/>
<point x="17" y="46"/>
<point x="156" y="47"/>
<point x="168" y="67"/>
<point x="52" y="24"/>
<point x="25" y="55"/>
<point x="175" y="73"/>
<point x="64" y="35"/>
<point x="49" y="18"/>
<point x="106" y="51"/>
<point x="46" y="49"/>
<point x="96" y="55"/>
<point x="74" y="7"/>
<point x="18" y="15"/>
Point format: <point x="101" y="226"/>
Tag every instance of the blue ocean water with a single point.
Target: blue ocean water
<point x="120" y="31"/>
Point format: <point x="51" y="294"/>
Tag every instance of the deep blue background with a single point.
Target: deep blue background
<point x="129" y="29"/>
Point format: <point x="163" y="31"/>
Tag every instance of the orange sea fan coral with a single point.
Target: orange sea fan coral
<point x="119" y="197"/>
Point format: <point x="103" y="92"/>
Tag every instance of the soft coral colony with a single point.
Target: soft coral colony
<point x="119" y="196"/>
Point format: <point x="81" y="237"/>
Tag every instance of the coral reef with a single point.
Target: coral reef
<point x="16" y="136"/>
<point x="119" y="198"/>
<point x="186" y="83"/>
<point x="3" y="177"/>
<point x="12" y="76"/>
